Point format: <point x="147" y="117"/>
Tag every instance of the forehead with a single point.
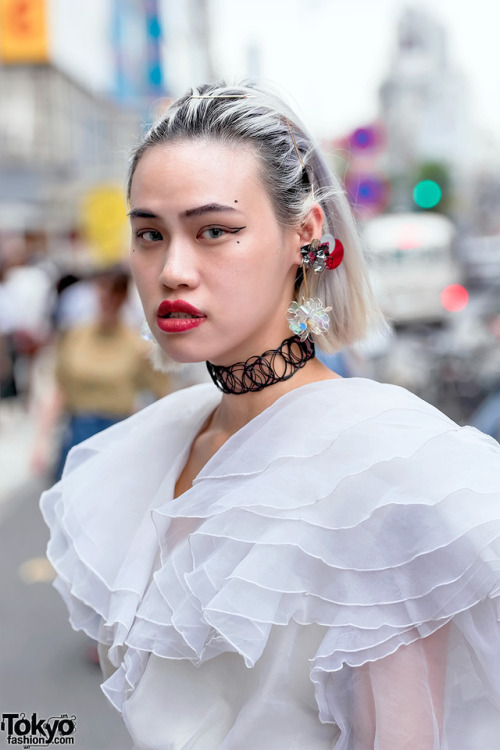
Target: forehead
<point x="195" y="170"/>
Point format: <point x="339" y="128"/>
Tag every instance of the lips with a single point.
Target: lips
<point x="166" y="308"/>
<point x="177" y="316"/>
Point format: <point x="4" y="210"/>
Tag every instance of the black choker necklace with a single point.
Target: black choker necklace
<point x="271" y="367"/>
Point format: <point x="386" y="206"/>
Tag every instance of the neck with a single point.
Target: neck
<point x="235" y="411"/>
<point x="261" y="371"/>
<point x="258" y="382"/>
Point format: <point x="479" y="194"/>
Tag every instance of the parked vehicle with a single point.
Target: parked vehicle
<point x="412" y="263"/>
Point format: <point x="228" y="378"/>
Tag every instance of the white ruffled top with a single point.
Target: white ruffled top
<point x="331" y="579"/>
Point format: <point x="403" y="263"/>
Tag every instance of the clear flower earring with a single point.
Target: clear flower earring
<point x="309" y="316"/>
<point x="146" y="332"/>
<point x="157" y="356"/>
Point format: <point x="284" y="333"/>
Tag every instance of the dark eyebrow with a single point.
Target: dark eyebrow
<point x="140" y="213"/>
<point x="208" y="208"/>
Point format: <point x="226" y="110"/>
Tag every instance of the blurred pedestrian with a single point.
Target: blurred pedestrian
<point x="25" y="302"/>
<point x="102" y="368"/>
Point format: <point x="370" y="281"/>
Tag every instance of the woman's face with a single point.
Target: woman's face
<point x="205" y="237"/>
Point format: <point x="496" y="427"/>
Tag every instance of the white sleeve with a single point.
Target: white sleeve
<point x="398" y="701"/>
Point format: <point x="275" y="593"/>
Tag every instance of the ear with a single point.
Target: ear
<point x="311" y="228"/>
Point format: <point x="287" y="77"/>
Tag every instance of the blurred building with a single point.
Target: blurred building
<point x="423" y="100"/>
<point x="423" y="122"/>
<point x="425" y="130"/>
<point x="431" y="131"/>
<point x="425" y="151"/>
<point x="187" y="52"/>
<point x="65" y="126"/>
<point x="79" y="80"/>
<point x="56" y="140"/>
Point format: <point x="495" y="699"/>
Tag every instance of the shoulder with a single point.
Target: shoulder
<point x="326" y="415"/>
<point x="365" y="394"/>
<point x="348" y="448"/>
<point x="339" y="407"/>
<point x="385" y="427"/>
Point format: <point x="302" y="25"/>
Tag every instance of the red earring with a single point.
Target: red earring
<point x="324" y="253"/>
<point x="335" y="256"/>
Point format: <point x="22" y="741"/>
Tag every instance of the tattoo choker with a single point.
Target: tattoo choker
<point x="269" y="368"/>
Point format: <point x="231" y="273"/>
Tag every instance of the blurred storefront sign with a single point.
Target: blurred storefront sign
<point x="23" y="31"/>
<point x="136" y="36"/>
<point x="155" y="73"/>
<point x="370" y="138"/>
<point x="369" y="193"/>
<point x="364" y="174"/>
<point x="104" y="223"/>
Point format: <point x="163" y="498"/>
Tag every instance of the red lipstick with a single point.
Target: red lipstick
<point x="177" y="316"/>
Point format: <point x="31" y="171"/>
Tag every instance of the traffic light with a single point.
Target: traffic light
<point x="427" y="194"/>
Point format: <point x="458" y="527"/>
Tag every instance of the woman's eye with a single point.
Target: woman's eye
<point x="213" y="233"/>
<point x="150" y="235"/>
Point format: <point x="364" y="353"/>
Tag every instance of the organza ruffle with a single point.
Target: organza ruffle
<point x="347" y="503"/>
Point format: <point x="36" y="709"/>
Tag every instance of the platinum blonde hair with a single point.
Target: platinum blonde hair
<point x="295" y="175"/>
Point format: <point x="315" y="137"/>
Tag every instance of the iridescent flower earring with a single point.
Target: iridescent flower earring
<point x="309" y="316"/>
<point x="146" y="332"/>
<point x="157" y="356"/>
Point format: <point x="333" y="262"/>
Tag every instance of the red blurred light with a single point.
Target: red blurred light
<point x="454" y="297"/>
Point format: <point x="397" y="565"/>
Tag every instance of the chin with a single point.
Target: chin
<point x="252" y="346"/>
<point x="181" y="352"/>
<point x="192" y="346"/>
<point x="163" y="362"/>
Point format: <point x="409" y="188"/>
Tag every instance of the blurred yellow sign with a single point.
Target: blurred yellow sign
<point x="104" y="223"/>
<point x="23" y="31"/>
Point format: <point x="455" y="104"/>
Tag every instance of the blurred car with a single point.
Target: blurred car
<point x="412" y="264"/>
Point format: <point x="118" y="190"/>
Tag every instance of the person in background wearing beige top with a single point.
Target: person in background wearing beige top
<point x="101" y="369"/>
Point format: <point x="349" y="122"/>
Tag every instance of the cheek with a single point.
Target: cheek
<point x="254" y="290"/>
<point x="244" y="283"/>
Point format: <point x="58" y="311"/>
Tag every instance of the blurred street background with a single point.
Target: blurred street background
<point x="405" y="100"/>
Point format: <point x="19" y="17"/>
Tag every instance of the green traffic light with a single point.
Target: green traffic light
<point x="427" y="194"/>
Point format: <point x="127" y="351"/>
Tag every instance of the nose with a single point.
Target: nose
<point x="179" y="267"/>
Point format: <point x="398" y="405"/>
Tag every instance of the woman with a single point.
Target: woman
<point x="102" y="368"/>
<point x="303" y="561"/>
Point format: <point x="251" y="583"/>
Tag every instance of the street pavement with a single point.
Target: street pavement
<point x="44" y="665"/>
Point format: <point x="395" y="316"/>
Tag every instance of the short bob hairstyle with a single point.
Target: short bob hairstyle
<point x="250" y="114"/>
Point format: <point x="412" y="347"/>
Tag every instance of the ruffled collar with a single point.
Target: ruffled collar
<point x="304" y="498"/>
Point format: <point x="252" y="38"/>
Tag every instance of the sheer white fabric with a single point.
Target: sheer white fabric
<point x="331" y="579"/>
